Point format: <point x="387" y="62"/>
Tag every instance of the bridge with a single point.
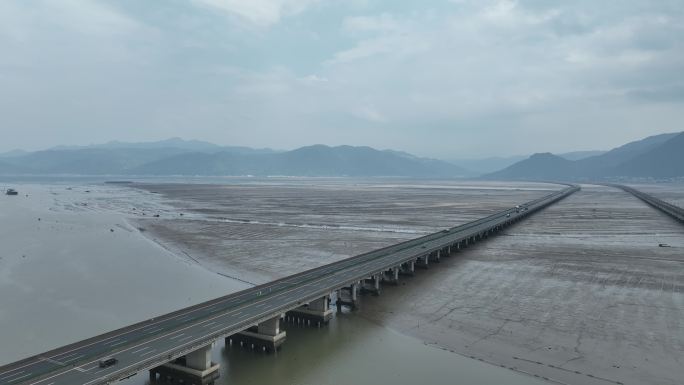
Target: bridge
<point x="675" y="212"/>
<point x="178" y="345"/>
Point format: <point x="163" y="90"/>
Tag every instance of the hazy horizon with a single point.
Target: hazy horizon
<point x="71" y="146"/>
<point x="445" y="79"/>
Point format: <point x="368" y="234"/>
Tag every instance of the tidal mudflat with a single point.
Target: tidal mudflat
<point x="578" y="294"/>
<point x="260" y="232"/>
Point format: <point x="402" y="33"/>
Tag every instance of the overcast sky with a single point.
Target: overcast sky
<point x="449" y="79"/>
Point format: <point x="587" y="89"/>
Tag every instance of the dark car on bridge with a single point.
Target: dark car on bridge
<point x="107" y="361"/>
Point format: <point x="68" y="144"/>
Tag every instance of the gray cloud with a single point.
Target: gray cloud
<point x="450" y="79"/>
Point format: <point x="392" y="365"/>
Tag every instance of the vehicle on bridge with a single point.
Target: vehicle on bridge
<point x="107" y="361"/>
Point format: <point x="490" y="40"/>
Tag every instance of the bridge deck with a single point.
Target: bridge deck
<point x="159" y="340"/>
<point x="675" y="212"/>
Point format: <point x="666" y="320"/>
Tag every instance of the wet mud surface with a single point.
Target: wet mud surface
<point x="577" y="294"/>
<point x="258" y="233"/>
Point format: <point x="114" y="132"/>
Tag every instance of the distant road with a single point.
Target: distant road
<point x="675" y="212"/>
<point x="162" y="339"/>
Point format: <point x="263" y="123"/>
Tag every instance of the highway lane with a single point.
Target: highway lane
<point x="673" y="211"/>
<point x="158" y="340"/>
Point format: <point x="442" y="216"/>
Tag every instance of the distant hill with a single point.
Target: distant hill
<point x="91" y="161"/>
<point x="664" y="161"/>
<point x="13" y="153"/>
<point x="317" y="160"/>
<point x="492" y="164"/>
<point x="605" y="164"/>
<point x="656" y="156"/>
<point x="577" y="155"/>
<point x="487" y="165"/>
<point x="200" y="158"/>
<point x="7" y="168"/>
<point x="175" y="143"/>
<point x="538" y="166"/>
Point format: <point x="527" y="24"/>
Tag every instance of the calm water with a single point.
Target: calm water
<point x="352" y="350"/>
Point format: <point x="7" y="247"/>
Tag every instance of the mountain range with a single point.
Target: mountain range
<point x="179" y="157"/>
<point x="480" y="166"/>
<point x="659" y="156"/>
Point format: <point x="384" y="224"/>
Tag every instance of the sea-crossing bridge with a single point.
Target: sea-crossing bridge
<point x="177" y="345"/>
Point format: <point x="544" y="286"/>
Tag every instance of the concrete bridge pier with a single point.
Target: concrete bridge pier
<point x="316" y="312"/>
<point x="408" y="268"/>
<point x="265" y="336"/>
<point x="423" y="262"/>
<point x="194" y="368"/>
<point x="372" y="285"/>
<point x="392" y="276"/>
<point x="437" y="256"/>
<point x="351" y="299"/>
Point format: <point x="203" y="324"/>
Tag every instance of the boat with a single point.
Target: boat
<point x="11" y="191"/>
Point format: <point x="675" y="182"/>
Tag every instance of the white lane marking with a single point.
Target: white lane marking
<point x="74" y="358"/>
<point x="174" y="337"/>
<point x="12" y="375"/>
<point x="154" y="330"/>
<point x="19" y="378"/>
<point x="210" y="323"/>
<point x="50" y="360"/>
<point x="140" y="350"/>
<point x="9" y="371"/>
<point x="90" y="368"/>
<point x="118" y="343"/>
<point x="185" y="338"/>
<point x="146" y="353"/>
<point x="66" y="357"/>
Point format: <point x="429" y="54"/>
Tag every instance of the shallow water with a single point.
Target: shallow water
<point x="352" y="350"/>
<point x="67" y="276"/>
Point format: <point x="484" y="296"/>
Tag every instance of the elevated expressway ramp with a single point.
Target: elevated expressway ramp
<point x="177" y="344"/>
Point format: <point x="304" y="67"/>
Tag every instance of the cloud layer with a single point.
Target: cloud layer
<point x="441" y="78"/>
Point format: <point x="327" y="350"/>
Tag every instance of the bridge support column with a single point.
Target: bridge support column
<point x="352" y="300"/>
<point x="408" y="268"/>
<point x="317" y="312"/>
<point x="393" y="275"/>
<point x="372" y="285"/>
<point x="266" y="336"/>
<point x="194" y="368"/>
<point x="437" y="256"/>
<point x="423" y="261"/>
